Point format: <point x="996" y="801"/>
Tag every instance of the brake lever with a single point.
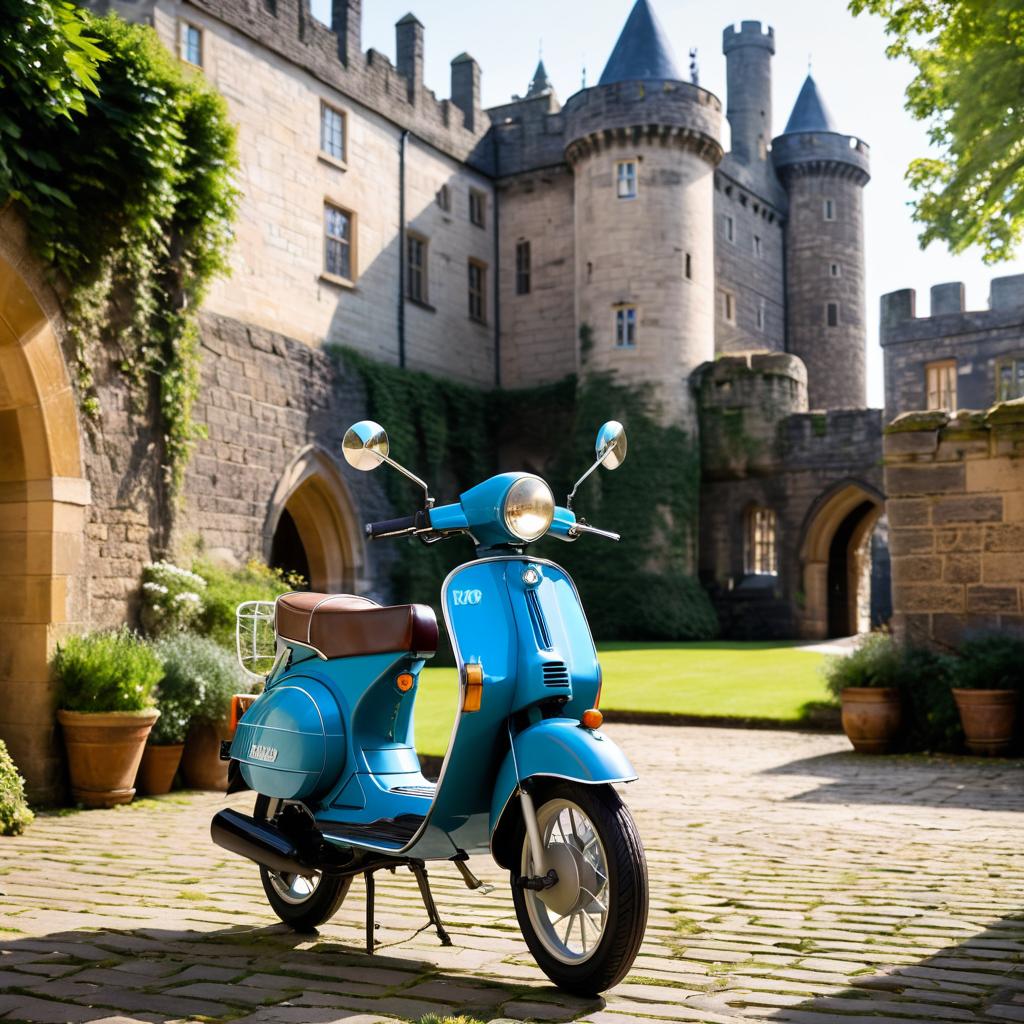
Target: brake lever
<point x="577" y="528"/>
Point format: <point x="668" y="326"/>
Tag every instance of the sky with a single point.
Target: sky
<point x="861" y="86"/>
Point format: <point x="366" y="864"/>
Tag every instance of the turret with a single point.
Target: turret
<point x="824" y="173"/>
<point x="748" y="62"/>
<point x="642" y="146"/>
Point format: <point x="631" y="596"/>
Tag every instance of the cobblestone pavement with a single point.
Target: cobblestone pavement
<point x="791" y="881"/>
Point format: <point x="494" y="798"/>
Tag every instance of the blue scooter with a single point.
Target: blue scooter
<point x="528" y="776"/>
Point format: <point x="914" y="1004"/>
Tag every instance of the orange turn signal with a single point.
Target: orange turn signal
<point x="240" y="703"/>
<point x="474" y="676"/>
<point x="592" y="719"/>
<point x="404" y="682"/>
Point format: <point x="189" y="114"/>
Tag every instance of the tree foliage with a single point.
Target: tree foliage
<point x="969" y="89"/>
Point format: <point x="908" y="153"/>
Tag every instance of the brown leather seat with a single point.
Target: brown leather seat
<point x="343" y="626"/>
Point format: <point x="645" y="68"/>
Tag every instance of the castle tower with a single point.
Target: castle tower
<point x="824" y="173"/>
<point x="748" y="67"/>
<point x="643" y="145"/>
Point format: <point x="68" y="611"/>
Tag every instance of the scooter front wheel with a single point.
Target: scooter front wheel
<point x="299" y="901"/>
<point x="584" y="931"/>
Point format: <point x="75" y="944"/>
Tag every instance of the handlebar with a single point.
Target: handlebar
<point x="399" y="527"/>
<point x="578" y="528"/>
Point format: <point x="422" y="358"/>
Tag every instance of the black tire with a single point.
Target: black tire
<point x="626" y="891"/>
<point x="320" y="905"/>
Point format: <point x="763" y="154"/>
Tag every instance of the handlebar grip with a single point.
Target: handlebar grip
<point x="393" y="527"/>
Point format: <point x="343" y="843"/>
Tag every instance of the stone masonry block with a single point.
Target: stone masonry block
<point x="917" y="442"/>
<point x="928" y="597"/>
<point x="917" y="568"/>
<point x="961" y="568"/>
<point x="925" y="478"/>
<point x="908" y="511"/>
<point x="968" y="509"/>
<point x="912" y="542"/>
<point x="1003" y="474"/>
<point x="997" y="567"/>
<point x="988" y="600"/>
<point x="1005" y="537"/>
<point x="960" y="538"/>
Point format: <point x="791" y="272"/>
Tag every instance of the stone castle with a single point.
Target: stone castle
<point x="486" y="246"/>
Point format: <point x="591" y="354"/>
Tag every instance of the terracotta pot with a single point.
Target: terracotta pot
<point x="201" y="765"/>
<point x="104" y="751"/>
<point x="158" y="768"/>
<point x="871" y="717"/>
<point x="988" y="718"/>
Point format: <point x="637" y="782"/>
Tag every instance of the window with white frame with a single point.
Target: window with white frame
<point x="625" y="179"/>
<point x="1009" y="380"/>
<point x="332" y="132"/>
<point x="339" y="258"/>
<point x="416" y="247"/>
<point x="760" y="554"/>
<point x="829" y="209"/>
<point x="625" y="326"/>
<point x="190" y="43"/>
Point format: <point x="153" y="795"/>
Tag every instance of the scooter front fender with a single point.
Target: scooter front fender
<point x="557" y="748"/>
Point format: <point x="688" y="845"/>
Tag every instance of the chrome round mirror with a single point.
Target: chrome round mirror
<point x="610" y="448"/>
<point x="365" y="445"/>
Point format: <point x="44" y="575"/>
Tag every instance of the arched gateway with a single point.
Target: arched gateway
<point x="835" y="561"/>
<point x="43" y="495"/>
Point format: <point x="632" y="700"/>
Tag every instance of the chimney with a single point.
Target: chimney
<point x="409" y="47"/>
<point x="466" y="89"/>
<point x="346" y="16"/>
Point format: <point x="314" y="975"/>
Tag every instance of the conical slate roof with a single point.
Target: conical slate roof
<point x="540" y="83"/>
<point x="809" y="112"/>
<point x="642" y="52"/>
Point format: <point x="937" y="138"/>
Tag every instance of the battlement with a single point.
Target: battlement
<point x="334" y="56"/>
<point x="750" y="33"/>
<point x="900" y="322"/>
<point x="844" y="156"/>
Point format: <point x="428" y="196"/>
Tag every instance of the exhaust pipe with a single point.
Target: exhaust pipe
<point x="259" y="841"/>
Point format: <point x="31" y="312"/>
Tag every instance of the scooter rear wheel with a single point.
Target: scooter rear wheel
<point x="585" y="931"/>
<point x="301" y="903"/>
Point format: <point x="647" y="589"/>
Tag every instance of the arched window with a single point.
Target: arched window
<point x="760" y="553"/>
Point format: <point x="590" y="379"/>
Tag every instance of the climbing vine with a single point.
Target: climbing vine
<point x="455" y="436"/>
<point x="122" y="165"/>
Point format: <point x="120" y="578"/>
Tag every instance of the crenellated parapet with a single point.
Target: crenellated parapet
<point x="667" y="114"/>
<point x="822" y="153"/>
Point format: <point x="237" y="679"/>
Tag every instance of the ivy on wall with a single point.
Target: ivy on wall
<point x="454" y="436"/>
<point x="122" y="165"/>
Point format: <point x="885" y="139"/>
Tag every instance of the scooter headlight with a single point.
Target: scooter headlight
<point x="529" y="508"/>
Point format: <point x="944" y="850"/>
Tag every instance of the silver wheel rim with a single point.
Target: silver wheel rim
<point x="293" y="889"/>
<point x="571" y="922"/>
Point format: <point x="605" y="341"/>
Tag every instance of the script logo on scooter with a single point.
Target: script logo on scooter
<point x="261" y="752"/>
<point x="467" y="597"/>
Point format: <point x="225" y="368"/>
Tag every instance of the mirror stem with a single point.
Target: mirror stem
<point x="572" y="493"/>
<point x="428" y="500"/>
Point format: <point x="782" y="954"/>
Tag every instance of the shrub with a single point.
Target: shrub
<point x="106" y="671"/>
<point x="875" y="663"/>
<point x="15" y="815"/>
<point x="226" y="589"/>
<point x="171" y="598"/>
<point x="930" y="718"/>
<point x="199" y="679"/>
<point x="668" y="607"/>
<point x="990" y="661"/>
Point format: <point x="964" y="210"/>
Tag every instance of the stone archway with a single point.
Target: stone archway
<point x="43" y="498"/>
<point x="313" y="518"/>
<point x="835" y="561"/>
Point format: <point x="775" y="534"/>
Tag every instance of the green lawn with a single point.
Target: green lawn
<point x="713" y="679"/>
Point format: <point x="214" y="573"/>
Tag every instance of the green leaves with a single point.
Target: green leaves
<point x="123" y="167"/>
<point x="106" y="671"/>
<point x="969" y="89"/>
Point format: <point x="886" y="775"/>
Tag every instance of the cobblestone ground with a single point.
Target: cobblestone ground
<point x="791" y="881"/>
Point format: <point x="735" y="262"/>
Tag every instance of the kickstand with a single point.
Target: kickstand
<point x="417" y="868"/>
<point x="370" y="887"/>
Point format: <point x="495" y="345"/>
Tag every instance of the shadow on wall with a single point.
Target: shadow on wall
<point x="921" y="780"/>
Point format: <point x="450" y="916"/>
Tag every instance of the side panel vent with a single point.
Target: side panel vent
<point x="537" y="620"/>
<point x="555" y="673"/>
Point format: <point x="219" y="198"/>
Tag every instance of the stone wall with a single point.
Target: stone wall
<point x="955" y="499"/>
<point x="975" y="339"/>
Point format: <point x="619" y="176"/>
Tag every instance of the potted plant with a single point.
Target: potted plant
<point x="176" y="697"/>
<point x="172" y="598"/>
<point x="15" y="815"/>
<point x="215" y="677"/>
<point x="987" y="677"/>
<point x="106" y="711"/>
<point x="866" y="683"/>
